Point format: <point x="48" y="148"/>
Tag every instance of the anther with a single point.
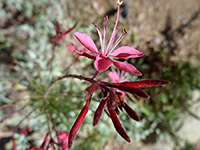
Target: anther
<point x="118" y="2"/>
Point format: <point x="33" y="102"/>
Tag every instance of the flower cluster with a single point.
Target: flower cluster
<point x="102" y="58"/>
<point x="113" y="100"/>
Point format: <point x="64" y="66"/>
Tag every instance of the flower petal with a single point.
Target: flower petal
<point x="144" y="83"/>
<point x="77" y="124"/>
<point x="102" y="64"/>
<point x="86" y="41"/>
<point x="70" y="48"/>
<point x="125" y="52"/>
<point x="126" y="67"/>
<point x="72" y="28"/>
<point x="114" y="76"/>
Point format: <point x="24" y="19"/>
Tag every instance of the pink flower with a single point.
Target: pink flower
<point x="118" y="77"/>
<point x="102" y="60"/>
<point x="61" y="34"/>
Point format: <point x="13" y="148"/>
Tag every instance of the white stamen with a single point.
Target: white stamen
<point x="118" y="2"/>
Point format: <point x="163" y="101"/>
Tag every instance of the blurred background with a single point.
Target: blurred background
<point x="167" y="32"/>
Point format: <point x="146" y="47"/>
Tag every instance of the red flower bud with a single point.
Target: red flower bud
<point x="130" y="112"/>
<point x="90" y="90"/>
<point x="113" y="98"/>
<point x="77" y="124"/>
<point x="117" y="123"/>
<point x="98" y="112"/>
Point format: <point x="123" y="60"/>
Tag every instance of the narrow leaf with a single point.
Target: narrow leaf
<point x="72" y="28"/>
<point x="90" y="90"/>
<point x="77" y="124"/>
<point x="113" y="98"/>
<point x="117" y="123"/>
<point x="132" y="90"/>
<point x="117" y="111"/>
<point x="98" y="112"/>
<point x="130" y="112"/>
<point x="144" y="83"/>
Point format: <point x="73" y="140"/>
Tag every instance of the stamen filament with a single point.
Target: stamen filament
<point x="117" y="42"/>
<point x="106" y="32"/>
<point x="100" y="36"/>
<point x="104" y="36"/>
<point x="114" y="31"/>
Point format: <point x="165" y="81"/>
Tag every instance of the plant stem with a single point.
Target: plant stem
<point x="49" y="64"/>
<point x="95" y="75"/>
<point x="91" y="80"/>
<point x="67" y="68"/>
